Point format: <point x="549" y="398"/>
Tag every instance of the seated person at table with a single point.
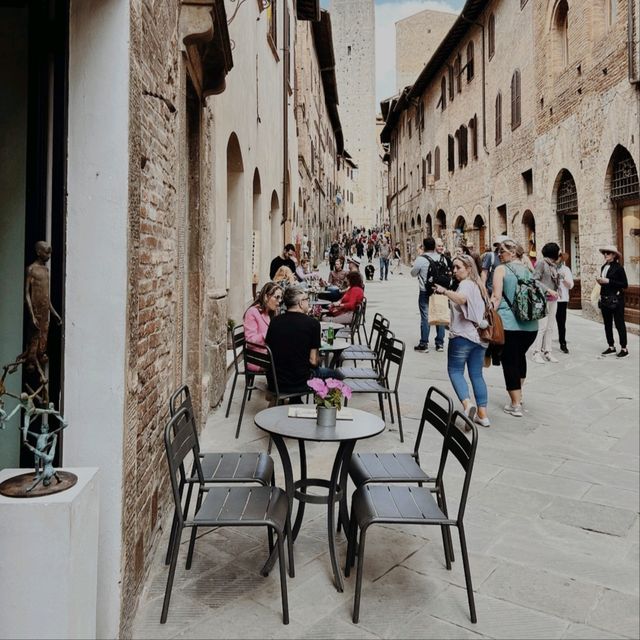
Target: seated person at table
<point x="257" y="317"/>
<point x="304" y="272"/>
<point x="294" y="340"/>
<point x="284" y="277"/>
<point x="343" y="310"/>
<point x="337" y="283"/>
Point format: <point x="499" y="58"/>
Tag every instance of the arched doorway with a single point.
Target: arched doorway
<point x="459" y="229"/>
<point x="529" y="235"/>
<point x="441" y="224"/>
<point x="256" y="237"/>
<point x="276" y="234"/>
<point x="236" y="232"/>
<point x="567" y="210"/>
<point x="623" y="188"/>
<point x="428" y="225"/>
<point x="479" y="233"/>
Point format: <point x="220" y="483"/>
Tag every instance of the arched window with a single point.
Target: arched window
<point x="491" y="35"/>
<point x="515" y="100"/>
<point x="463" y="156"/>
<point x="436" y="163"/>
<point x="473" y="131"/>
<point x="451" y="85"/>
<point x="561" y="34"/>
<point x="498" y="118"/>
<point x="470" y="61"/>
<point x="451" y="153"/>
<point x="443" y="93"/>
<point x="457" y="65"/>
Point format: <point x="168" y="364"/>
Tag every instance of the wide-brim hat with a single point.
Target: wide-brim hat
<point x="354" y="260"/>
<point x="610" y="248"/>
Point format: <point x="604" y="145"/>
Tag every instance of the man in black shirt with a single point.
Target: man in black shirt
<point x="294" y="340"/>
<point x="287" y="259"/>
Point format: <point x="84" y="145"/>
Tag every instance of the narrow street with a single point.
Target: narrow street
<point x="551" y="519"/>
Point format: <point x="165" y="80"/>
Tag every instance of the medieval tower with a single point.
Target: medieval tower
<point x="354" y="46"/>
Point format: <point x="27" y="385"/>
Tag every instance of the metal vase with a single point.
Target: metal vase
<point x="326" y="416"/>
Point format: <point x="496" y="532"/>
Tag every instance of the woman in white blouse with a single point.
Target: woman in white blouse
<point x="565" y="284"/>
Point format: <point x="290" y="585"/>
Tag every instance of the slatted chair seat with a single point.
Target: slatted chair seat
<point x="366" y="386"/>
<point x="357" y="372"/>
<point x="386" y="467"/>
<point x="407" y="505"/>
<point x="370" y="350"/>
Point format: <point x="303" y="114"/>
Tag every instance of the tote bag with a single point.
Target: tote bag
<point x="439" y="310"/>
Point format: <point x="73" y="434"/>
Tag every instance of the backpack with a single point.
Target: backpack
<point x="439" y="273"/>
<point x="529" y="302"/>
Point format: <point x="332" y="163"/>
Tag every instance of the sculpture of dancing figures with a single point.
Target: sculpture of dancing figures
<point x="44" y="464"/>
<point x="38" y="301"/>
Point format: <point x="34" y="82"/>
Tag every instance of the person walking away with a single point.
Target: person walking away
<point x="613" y="282"/>
<point x="287" y="259"/>
<point x="370" y="250"/>
<point x="548" y="279"/>
<point x="468" y="304"/>
<point x="566" y="284"/>
<point x="384" y="253"/>
<point x="519" y="335"/>
<point x="397" y="255"/>
<point x="342" y="311"/>
<point x="257" y="317"/>
<point x="490" y="260"/>
<point x="430" y="268"/>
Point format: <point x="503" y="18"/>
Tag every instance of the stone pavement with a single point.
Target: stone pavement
<point x="552" y="518"/>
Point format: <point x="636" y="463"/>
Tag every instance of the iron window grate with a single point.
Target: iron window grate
<point x="567" y="195"/>
<point x="625" y="180"/>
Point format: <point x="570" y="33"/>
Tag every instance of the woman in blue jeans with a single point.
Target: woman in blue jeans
<point x="468" y="304"/>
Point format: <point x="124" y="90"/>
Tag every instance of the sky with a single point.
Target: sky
<point x="388" y="12"/>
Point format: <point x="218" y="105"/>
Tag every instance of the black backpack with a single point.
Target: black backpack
<point x="439" y="273"/>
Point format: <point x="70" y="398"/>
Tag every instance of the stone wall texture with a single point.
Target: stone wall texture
<point x="574" y="114"/>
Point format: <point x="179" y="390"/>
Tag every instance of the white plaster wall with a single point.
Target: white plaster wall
<point x="96" y="270"/>
<point x="237" y="110"/>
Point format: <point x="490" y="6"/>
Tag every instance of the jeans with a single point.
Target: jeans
<point x="423" y="306"/>
<point x="545" y="328"/>
<point x="384" y="268"/>
<point x="463" y="352"/>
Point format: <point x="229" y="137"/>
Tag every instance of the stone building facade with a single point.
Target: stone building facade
<point x="354" y="46"/>
<point x="525" y="120"/>
<point x="164" y="178"/>
<point x="321" y="166"/>
<point x="417" y="37"/>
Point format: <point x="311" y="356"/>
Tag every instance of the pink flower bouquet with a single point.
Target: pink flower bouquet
<point x="329" y="393"/>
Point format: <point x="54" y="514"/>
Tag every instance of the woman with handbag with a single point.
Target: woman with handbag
<point x="466" y="348"/>
<point x="613" y="282"/>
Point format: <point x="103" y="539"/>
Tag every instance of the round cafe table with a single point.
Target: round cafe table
<point x="334" y="350"/>
<point x="277" y="423"/>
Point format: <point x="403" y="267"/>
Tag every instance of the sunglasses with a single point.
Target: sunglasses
<point x="608" y="253"/>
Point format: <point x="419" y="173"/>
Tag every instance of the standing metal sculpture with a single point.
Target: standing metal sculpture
<point x="34" y="405"/>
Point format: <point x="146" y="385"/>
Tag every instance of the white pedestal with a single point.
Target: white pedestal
<point x="49" y="561"/>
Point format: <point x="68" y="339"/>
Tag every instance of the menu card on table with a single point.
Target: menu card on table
<point x="301" y="411"/>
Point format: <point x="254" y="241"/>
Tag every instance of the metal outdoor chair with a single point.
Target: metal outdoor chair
<point x="221" y="506"/>
<point x="237" y="343"/>
<point x="260" y="357"/>
<point x="371" y="349"/>
<point x="218" y="467"/>
<point x="351" y="331"/>
<point x="406" y="505"/>
<point x="393" y="357"/>
<point x="376" y="370"/>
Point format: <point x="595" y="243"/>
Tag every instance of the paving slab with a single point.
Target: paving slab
<point x="552" y="517"/>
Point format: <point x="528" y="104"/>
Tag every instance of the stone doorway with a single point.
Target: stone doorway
<point x="567" y="211"/>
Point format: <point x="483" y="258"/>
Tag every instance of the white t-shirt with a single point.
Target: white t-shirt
<point x="566" y="283"/>
<point x="474" y="308"/>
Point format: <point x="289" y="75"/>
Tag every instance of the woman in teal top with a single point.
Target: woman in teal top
<point x="519" y="335"/>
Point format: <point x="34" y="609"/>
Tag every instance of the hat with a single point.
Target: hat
<point x="355" y="260"/>
<point x="500" y="240"/>
<point x="610" y="248"/>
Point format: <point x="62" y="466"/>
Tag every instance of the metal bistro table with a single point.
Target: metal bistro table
<point x="276" y="422"/>
<point x="334" y="350"/>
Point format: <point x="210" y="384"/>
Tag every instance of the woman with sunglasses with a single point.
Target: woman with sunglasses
<point x="258" y="316"/>
<point x="613" y="282"/>
<point x="519" y="335"/>
<point x="468" y="303"/>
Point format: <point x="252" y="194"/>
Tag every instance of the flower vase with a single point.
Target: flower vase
<point x="326" y="416"/>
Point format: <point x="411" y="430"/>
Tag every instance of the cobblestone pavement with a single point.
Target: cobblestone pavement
<point x="552" y="518"/>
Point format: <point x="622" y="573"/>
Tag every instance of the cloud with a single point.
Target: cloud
<point x="387" y="14"/>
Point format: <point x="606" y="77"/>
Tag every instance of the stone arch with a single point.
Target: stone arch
<point x="238" y="236"/>
<point x="479" y="233"/>
<point x="256" y="246"/>
<point x="419" y="221"/>
<point x="413" y="223"/>
<point x="529" y="233"/>
<point x="274" y="216"/>
<point x="429" y="225"/>
<point x="558" y="26"/>
<point x="441" y="223"/>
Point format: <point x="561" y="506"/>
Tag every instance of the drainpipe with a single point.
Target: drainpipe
<point x="285" y="116"/>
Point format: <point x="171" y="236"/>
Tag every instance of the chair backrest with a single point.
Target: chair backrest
<point x="377" y="326"/>
<point x="463" y="450"/>
<point x="260" y="356"/>
<point x="237" y="344"/>
<point x="180" y="398"/>
<point x="363" y="314"/>
<point x="437" y="411"/>
<point x="181" y="439"/>
<point x="355" y="322"/>
<point x="393" y="355"/>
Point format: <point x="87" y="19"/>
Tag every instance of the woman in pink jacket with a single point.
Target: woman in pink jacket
<point x="258" y="316"/>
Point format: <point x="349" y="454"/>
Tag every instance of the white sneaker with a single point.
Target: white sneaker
<point x="483" y="422"/>
<point x="537" y="357"/>
<point x="549" y="357"/>
<point x="513" y="410"/>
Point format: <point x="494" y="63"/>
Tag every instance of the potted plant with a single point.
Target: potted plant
<point x="328" y="396"/>
<point x="231" y="323"/>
